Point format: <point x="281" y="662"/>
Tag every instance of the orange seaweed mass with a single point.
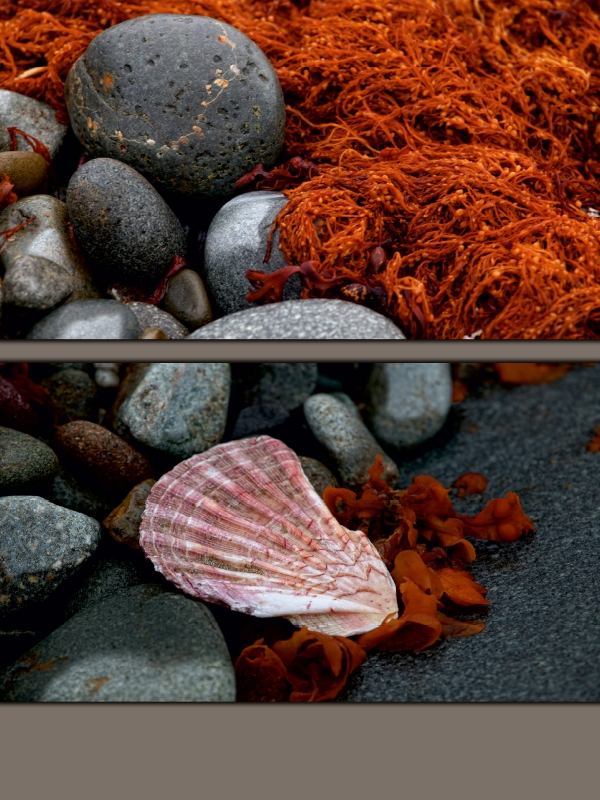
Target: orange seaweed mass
<point x="420" y="537"/>
<point x="456" y="145"/>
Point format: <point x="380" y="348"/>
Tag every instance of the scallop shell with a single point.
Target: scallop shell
<point x="240" y="525"/>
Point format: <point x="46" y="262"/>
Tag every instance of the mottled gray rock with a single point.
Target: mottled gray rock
<point x="88" y="319"/>
<point x="41" y="545"/>
<point x="121" y="220"/>
<point x="407" y="403"/>
<point x="4" y="138"/>
<point x="35" y="282"/>
<point x="34" y="117"/>
<point x="73" y="393"/>
<point x="319" y="476"/>
<point x="47" y="236"/>
<point x="287" y="385"/>
<point x="25" y="462"/>
<point x="346" y="439"/>
<point x="236" y="242"/>
<point x="71" y="492"/>
<point x="190" y="102"/>
<point x="187" y="300"/>
<point x="263" y="419"/>
<point x="25" y="170"/>
<point x="179" y="409"/>
<point x="302" y="319"/>
<point x="141" y="645"/>
<point x="150" y="316"/>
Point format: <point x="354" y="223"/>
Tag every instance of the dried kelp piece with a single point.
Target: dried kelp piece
<point x="518" y="374"/>
<point x="470" y="483"/>
<point x="594" y="445"/>
<point x="318" y="665"/>
<point x="427" y="498"/>
<point x="309" y="667"/>
<point x="461" y="589"/>
<point x="296" y="169"/>
<point x="502" y="520"/>
<point x="417" y="628"/>
<point x="457" y="628"/>
<point x="260" y="676"/>
<point x="410" y="565"/>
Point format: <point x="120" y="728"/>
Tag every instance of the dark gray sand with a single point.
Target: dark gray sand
<point x="542" y="635"/>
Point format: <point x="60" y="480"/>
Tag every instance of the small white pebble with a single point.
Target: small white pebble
<point x="106" y="379"/>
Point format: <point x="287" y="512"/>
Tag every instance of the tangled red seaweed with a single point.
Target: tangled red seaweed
<point x="464" y="131"/>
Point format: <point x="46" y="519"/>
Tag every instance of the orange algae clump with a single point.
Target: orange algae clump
<point x="516" y="374"/>
<point x="453" y="147"/>
<point x="470" y="483"/>
<point x="308" y="667"/>
<point x="594" y="445"/>
<point x="502" y="520"/>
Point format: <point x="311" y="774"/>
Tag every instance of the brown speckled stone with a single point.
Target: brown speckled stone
<point x="103" y="457"/>
<point x="123" y="523"/>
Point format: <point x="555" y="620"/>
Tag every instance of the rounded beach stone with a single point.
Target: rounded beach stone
<point x="101" y="456"/>
<point x="180" y="409"/>
<point x="35" y="282"/>
<point x="407" y="404"/>
<point x="287" y="385"/>
<point x="186" y="299"/>
<point x="236" y="242"/>
<point x="319" y="476"/>
<point x="121" y="220"/>
<point x="73" y="393"/>
<point x="4" y="138"/>
<point x="88" y="319"/>
<point x="26" y="170"/>
<point x="348" y="442"/>
<point x="47" y="235"/>
<point x="70" y="491"/>
<point x="150" y="316"/>
<point x="140" y="645"/>
<point x="259" y="420"/>
<point x="153" y="333"/>
<point x="302" y="319"/>
<point x="34" y="117"/>
<point x="41" y="545"/>
<point x="190" y="102"/>
<point x="123" y="522"/>
<point x="25" y="462"/>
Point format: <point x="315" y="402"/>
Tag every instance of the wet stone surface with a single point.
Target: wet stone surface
<point x="26" y="464"/>
<point x="284" y="384"/>
<point x="337" y="425"/>
<point x="35" y="282"/>
<point x="140" y="645"/>
<point x="187" y="300"/>
<point x="180" y="409"/>
<point x="73" y="393"/>
<point x="48" y="236"/>
<point x="407" y="404"/>
<point x="542" y="637"/>
<point x="32" y="116"/>
<point x="121" y="221"/>
<point x="41" y="544"/>
<point x="25" y="170"/>
<point x="88" y="319"/>
<point x="236" y="242"/>
<point x="150" y="316"/>
<point x="188" y="101"/>
<point x="302" y="319"/>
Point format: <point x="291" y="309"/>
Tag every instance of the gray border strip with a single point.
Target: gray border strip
<point x="234" y="350"/>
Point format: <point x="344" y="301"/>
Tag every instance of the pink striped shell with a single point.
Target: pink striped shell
<point x="240" y="525"/>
